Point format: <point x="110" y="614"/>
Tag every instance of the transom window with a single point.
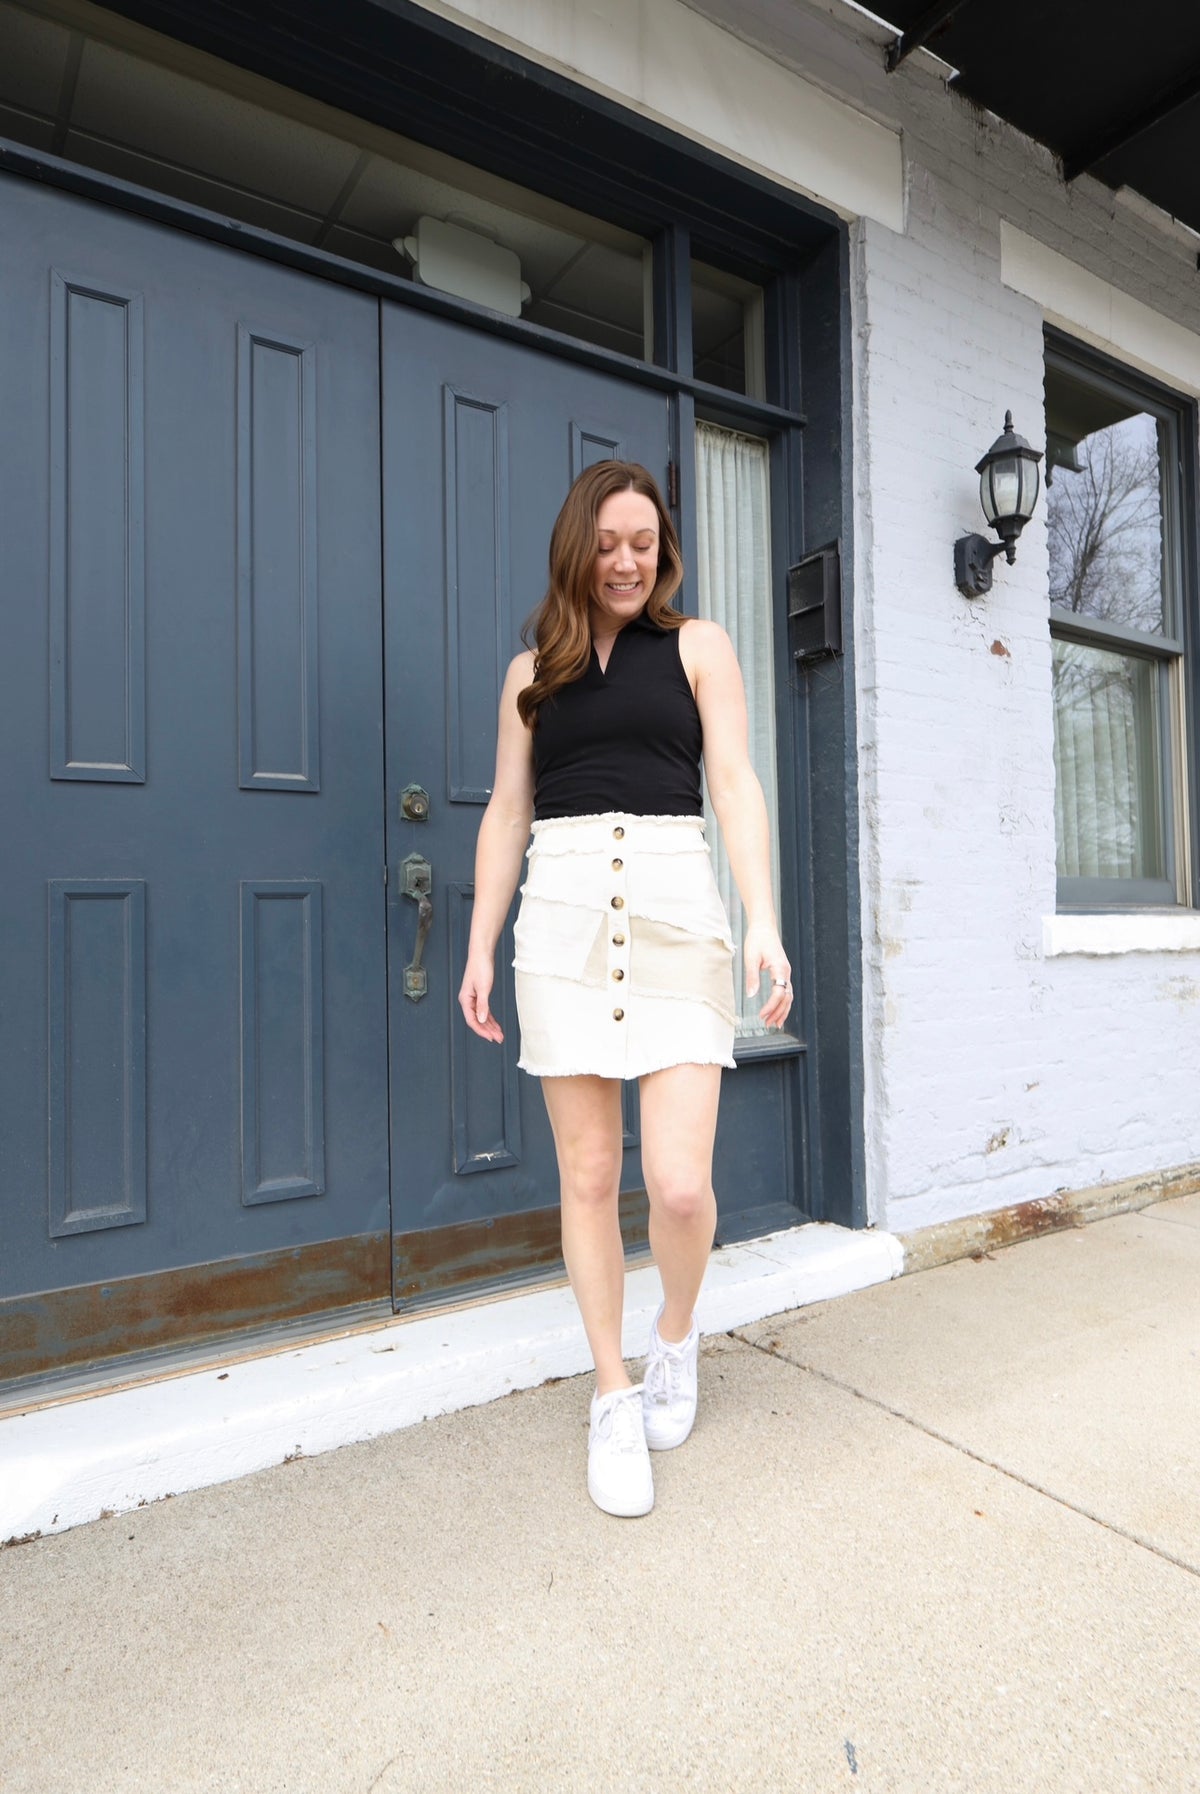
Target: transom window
<point x="133" y="103"/>
<point x="1115" y="512"/>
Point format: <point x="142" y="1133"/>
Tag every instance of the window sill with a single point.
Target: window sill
<point x="1102" y="935"/>
<point x="775" y="1045"/>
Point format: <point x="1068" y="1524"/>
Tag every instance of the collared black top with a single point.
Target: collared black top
<point x="628" y="738"/>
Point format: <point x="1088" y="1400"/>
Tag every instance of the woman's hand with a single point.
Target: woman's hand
<point x="473" y="997"/>
<point x="762" y="951"/>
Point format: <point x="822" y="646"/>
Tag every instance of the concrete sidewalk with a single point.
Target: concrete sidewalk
<point x="942" y="1534"/>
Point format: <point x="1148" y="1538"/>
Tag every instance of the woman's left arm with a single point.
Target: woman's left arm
<point x="711" y="665"/>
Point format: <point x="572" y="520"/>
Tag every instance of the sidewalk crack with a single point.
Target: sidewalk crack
<point x="382" y="1773"/>
<point x="1168" y="1220"/>
<point x="1074" y="1507"/>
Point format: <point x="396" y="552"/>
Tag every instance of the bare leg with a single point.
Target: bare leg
<point x="679" y="1124"/>
<point x="585" y="1116"/>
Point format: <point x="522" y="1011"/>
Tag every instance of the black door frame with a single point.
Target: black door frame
<point x="455" y="89"/>
<point x="400" y="66"/>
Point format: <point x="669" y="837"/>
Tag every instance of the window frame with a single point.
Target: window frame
<point x="779" y="421"/>
<point x="1173" y="651"/>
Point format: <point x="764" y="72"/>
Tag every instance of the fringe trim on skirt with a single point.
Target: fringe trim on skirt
<point x="624" y="959"/>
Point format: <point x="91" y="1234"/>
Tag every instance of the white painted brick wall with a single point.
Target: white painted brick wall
<point x="995" y="1075"/>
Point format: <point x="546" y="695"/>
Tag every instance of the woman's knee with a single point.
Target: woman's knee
<point x="590" y="1176"/>
<point x="681" y="1197"/>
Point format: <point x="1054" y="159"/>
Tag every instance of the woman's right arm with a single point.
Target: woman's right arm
<point x="503" y="838"/>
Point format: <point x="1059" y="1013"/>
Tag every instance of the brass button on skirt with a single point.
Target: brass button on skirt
<point x="672" y="954"/>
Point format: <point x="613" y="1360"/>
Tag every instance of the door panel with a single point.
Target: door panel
<point x="193" y="1037"/>
<point x="481" y="440"/>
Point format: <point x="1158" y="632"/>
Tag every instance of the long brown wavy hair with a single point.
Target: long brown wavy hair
<point x="558" y="631"/>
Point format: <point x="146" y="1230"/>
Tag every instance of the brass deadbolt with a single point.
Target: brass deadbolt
<point x="414" y="803"/>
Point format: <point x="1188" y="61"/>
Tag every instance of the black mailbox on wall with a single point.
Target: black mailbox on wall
<point x="814" y="589"/>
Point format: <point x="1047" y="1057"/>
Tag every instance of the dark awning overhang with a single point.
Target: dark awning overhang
<point x="1112" y="89"/>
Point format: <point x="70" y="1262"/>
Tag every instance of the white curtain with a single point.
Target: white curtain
<point x="1100" y="700"/>
<point x="733" y="505"/>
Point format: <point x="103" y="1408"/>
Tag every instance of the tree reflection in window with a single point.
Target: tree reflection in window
<point x="1104" y="523"/>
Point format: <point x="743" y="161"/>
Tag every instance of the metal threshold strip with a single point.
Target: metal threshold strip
<point x="219" y="1351"/>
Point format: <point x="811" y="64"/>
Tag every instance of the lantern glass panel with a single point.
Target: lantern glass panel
<point x="1000" y="488"/>
<point x="1030" y="486"/>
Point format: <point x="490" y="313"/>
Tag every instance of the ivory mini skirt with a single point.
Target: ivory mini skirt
<point x="624" y="959"/>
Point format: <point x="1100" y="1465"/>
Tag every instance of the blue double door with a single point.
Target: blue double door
<point x="268" y="548"/>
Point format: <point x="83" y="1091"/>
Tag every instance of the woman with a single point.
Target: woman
<point x="623" y="950"/>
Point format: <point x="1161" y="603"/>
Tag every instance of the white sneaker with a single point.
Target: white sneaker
<point x="669" y="1388"/>
<point x="619" y="1476"/>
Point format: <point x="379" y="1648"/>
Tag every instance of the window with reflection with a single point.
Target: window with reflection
<point x="1114" y="508"/>
<point x="727" y="331"/>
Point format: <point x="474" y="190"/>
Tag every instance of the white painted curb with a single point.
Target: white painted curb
<point x="70" y="1462"/>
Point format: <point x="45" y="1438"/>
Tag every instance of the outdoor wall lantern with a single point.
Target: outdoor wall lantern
<point x="1008" y="491"/>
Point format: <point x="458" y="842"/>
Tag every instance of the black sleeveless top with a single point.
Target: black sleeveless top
<point x="628" y="738"/>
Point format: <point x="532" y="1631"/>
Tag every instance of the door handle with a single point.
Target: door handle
<point x="417" y="882"/>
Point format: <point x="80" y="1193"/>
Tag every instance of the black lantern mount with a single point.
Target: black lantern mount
<point x="1009" y="482"/>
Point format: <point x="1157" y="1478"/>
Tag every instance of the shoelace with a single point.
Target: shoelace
<point x="624" y="1423"/>
<point x="664" y="1376"/>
